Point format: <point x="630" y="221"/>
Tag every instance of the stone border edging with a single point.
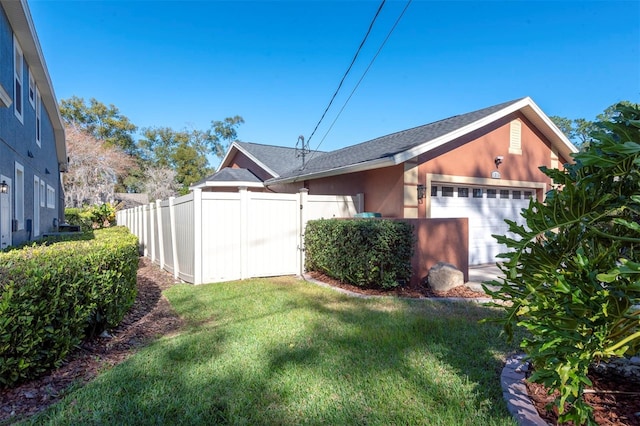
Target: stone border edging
<point x="515" y="392"/>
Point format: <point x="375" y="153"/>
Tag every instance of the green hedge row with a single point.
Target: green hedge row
<point x="362" y="252"/>
<point x="54" y="295"/>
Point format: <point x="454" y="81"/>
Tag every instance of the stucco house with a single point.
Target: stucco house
<point x="482" y="165"/>
<point x="32" y="141"/>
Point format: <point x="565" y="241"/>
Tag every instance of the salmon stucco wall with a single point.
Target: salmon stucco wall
<point x="241" y="161"/>
<point x="439" y="240"/>
<point x="382" y="189"/>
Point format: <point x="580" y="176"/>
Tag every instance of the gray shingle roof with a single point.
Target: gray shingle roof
<point x="390" y="145"/>
<point x="230" y="175"/>
<point x="278" y="158"/>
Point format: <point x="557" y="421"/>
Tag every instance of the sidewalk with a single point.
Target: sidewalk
<point x="480" y="273"/>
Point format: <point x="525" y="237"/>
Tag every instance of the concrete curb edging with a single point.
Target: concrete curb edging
<point x="515" y="392"/>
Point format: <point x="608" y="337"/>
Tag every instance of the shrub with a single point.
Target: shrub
<point x="93" y="217"/>
<point x="53" y="296"/>
<point x="362" y="252"/>
<point x="573" y="275"/>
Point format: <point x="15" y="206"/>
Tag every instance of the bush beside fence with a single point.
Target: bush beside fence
<point x="53" y="296"/>
<point x="362" y="252"/>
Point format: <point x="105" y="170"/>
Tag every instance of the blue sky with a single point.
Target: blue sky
<point x="277" y="63"/>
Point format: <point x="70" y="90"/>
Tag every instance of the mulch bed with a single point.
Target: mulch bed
<point x="150" y="317"/>
<point x="615" y="400"/>
<point x="419" y="291"/>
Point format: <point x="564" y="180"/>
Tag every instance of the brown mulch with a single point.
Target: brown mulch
<point x="150" y="317"/>
<point x="615" y="400"/>
<point x="419" y="291"/>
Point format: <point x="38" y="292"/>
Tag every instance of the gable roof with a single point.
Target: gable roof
<point x="229" y="177"/>
<point x="22" y="25"/>
<point x="401" y="146"/>
<point x="275" y="160"/>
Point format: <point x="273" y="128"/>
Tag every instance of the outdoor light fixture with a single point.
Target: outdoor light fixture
<point x="4" y="188"/>
<point x="422" y="192"/>
<point x="498" y="160"/>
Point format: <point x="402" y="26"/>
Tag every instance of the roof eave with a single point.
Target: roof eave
<point x="21" y="22"/>
<point x="228" y="184"/>
<point x="360" y="167"/>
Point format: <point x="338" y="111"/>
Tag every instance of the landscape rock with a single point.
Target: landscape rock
<point x="445" y="276"/>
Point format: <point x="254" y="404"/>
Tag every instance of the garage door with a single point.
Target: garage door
<point x="486" y="208"/>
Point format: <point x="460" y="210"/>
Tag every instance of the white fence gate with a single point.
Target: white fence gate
<point x="207" y="237"/>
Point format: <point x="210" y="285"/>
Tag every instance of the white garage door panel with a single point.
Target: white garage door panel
<point x="486" y="216"/>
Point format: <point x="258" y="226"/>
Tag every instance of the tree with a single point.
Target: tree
<point x="572" y="277"/>
<point x="579" y="130"/>
<point x="161" y="183"/>
<point x="94" y="168"/>
<point x="222" y="133"/>
<point x="105" y="123"/>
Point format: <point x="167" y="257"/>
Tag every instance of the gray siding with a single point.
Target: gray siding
<point x="18" y="143"/>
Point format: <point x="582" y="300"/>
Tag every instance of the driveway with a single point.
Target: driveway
<point x="480" y="273"/>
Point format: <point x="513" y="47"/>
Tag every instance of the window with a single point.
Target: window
<point x="32" y="89"/>
<point x="447" y="191"/>
<point x="19" y="196"/>
<point x="491" y="193"/>
<point x="434" y="191"/>
<point x="517" y="195"/>
<point x="463" y="192"/>
<point x="504" y="193"/>
<point x="528" y="194"/>
<point x="38" y="115"/>
<point x="18" y="71"/>
<point x="477" y="192"/>
<point x="43" y="194"/>
<point x="51" y="197"/>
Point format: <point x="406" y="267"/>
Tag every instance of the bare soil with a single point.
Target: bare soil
<point x="150" y="317"/>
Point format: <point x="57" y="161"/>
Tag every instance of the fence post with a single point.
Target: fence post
<point x="145" y="230"/>
<point x="244" y="232"/>
<point x="160" y="234"/>
<point x="197" y="237"/>
<point x="174" y="245"/>
<point x="152" y="237"/>
<point x="303" y="197"/>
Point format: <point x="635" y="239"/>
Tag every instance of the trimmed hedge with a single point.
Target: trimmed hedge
<point x="53" y="296"/>
<point x="362" y="252"/>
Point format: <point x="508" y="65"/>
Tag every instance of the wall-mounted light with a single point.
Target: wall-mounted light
<point x="30" y="154"/>
<point x="46" y="171"/>
<point x="4" y="188"/>
<point x="422" y="192"/>
<point x="498" y="160"/>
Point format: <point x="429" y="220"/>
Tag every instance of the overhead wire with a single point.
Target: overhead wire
<point x="361" y="78"/>
<point x="348" y="69"/>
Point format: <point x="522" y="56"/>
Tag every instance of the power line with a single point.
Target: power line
<point x="348" y="69"/>
<point x="361" y="78"/>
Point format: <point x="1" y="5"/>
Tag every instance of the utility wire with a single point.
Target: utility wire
<point x="361" y="78"/>
<point x="348" y="69"/>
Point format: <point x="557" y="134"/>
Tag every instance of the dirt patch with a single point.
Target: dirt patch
<point x="150" y="317"/>
<point x="420" y="291"/>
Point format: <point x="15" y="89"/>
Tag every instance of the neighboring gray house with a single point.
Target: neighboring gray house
<point x="32" y="141"/>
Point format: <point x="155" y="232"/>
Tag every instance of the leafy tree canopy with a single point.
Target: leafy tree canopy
<point x="579" y="130"/>
<point x="105" y="123"/>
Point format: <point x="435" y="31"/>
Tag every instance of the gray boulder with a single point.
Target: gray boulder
<point x="445" y="276"/>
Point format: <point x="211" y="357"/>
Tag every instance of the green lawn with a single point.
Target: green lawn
<point x="282" y="351"/>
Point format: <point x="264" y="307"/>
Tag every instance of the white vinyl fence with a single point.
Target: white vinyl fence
<point x="208" y="237"/>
